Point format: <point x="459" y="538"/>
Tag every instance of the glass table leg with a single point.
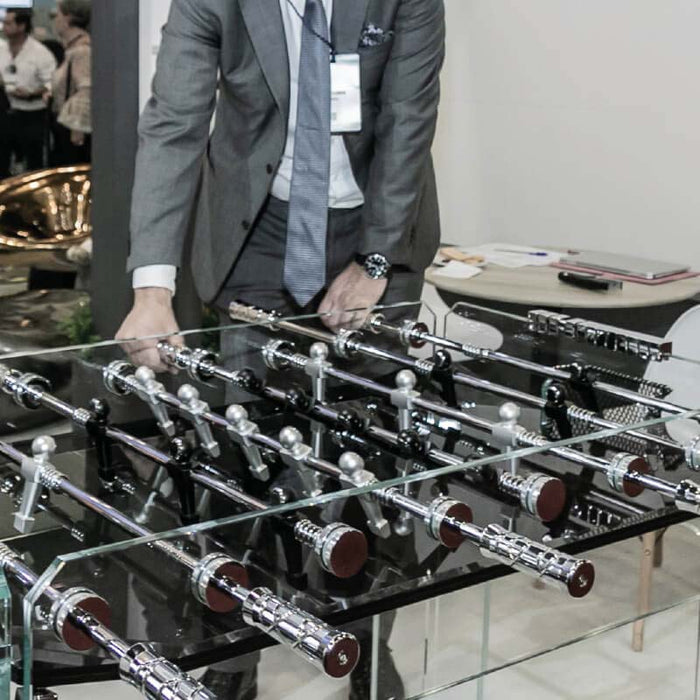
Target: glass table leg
<point x="485" y="630"/>
<point x="5" y="638"/>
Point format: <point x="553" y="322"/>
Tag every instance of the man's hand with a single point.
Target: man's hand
<point x="352" y="289"/>
<point x="77" y="138"/>
<point x="22" y="93"/>
<point x="151" y="315"/>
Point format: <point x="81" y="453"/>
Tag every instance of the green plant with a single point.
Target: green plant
<point x="78" y="327"/>
<point x="210" y="320"/>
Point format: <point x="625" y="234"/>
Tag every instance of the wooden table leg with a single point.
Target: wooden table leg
<point x="644" y="596"/>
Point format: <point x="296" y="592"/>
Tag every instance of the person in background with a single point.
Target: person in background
<point x="26" y="67"/>
<point x="53" y="45"/>
<point x="71" y="123"/>
<point x="4" y="105"/>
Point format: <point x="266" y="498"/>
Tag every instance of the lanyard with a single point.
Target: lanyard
<point x="311" y="29"/>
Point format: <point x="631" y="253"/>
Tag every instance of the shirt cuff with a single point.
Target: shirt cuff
<point x="155" y="276"/>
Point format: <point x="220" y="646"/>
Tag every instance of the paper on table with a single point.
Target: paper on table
<point x="514" y="256"/>
<point x="458" y="270"/>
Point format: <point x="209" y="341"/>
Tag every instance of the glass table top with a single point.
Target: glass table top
<point x="529" y="434"/>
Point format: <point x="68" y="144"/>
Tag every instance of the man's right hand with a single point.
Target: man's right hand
<point x="151" y="315"/>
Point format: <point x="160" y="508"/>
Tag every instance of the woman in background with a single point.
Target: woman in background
<point x="72" y="86"/>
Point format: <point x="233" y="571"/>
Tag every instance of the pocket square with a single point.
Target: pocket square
<point x="374" y="36"/>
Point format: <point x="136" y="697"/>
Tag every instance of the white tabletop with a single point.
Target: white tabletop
<point x="540" y="286"/>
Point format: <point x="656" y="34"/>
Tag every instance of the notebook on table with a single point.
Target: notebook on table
<point x="626" y="265"/>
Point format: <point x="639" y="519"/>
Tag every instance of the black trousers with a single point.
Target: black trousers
<point x="63" y="152"/>
<point x="24" y="136"/>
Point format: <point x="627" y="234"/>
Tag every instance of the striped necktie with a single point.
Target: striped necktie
<point x="305" y="260"/>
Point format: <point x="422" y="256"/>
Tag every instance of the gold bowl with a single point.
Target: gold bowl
<point x="46" y="209"/>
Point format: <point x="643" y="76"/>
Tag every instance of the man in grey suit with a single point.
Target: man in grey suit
<point x="264" y="231"/>
<point x="314" y="191"/>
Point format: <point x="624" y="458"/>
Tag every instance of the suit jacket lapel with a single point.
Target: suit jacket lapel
<point x="263" y="21"/>
<point x="347" y="24"/>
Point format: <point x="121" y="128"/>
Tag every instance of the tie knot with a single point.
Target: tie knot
<point x="313" y="6"/>
<point x="315" y="17"/>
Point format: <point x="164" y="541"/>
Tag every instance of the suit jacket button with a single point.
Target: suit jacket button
<point x="245" y="224"/>
<point x="269" y="169"/>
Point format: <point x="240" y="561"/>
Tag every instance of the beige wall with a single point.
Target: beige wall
<point x="573" y="123"/>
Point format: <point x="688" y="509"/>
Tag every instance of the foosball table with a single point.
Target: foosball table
<point x="281" y="484"/>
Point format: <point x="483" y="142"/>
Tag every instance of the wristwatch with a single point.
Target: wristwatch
<point x="376" y="265"/>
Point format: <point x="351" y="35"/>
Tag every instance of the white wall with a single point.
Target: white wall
<point x="152" y="16"/>
<point x="586" y="121"/>
<point x="457" y="144"/>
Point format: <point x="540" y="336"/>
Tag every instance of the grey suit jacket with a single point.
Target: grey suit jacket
<point x="238" y="46"/>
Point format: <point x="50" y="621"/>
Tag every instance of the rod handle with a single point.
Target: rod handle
<point x="78" y="601"/>
<point x="341" y="550"/>
<point x="576" y="576"/>
<point x="249" y="314"/>
<point x="205" y="575"/>
<point x="336" y="653"/>
<point x="156" y="678"/>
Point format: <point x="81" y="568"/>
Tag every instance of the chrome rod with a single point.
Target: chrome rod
<point x="340" y="549"/>
<point x="541" y="496"/>
<point x="482" y="353"/>
<point x="576" y="576"/>
<point x="334" y="652"/>
<point x="80" y="619"/>
<point x="280" y="356"/>
<point x="445" y="518"/>
<point x="346" y="344"/>
<point x="419" y="337"/>
<point x="331" y="547"/>
<point x="573" y="412"/>
<point x="50" y="478"/>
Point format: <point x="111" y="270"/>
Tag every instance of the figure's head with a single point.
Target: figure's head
<point x="17" y="23"/>
<point x="71" y="14"/>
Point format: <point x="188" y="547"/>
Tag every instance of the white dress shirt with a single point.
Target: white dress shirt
<point x="343" y="190"/>
<point x="33" y="70"/>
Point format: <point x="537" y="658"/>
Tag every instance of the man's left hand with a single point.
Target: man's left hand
<point x="352" y="289"/>
<point x="77" y="138"/>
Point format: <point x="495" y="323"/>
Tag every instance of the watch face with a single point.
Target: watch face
<point x="377" y="266"/>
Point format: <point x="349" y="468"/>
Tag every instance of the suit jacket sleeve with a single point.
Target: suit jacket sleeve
<point x="173" y="134"/>
<point x="408" y="107"/>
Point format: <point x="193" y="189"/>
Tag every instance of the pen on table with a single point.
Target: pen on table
<point x="539" y="254"/>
